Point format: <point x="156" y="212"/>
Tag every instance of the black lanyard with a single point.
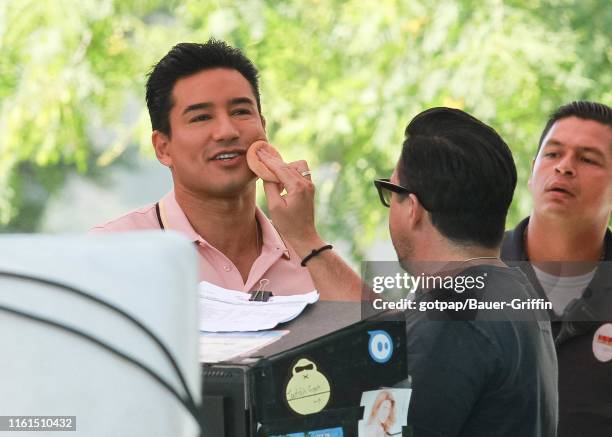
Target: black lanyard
<point x="161" y="224"/>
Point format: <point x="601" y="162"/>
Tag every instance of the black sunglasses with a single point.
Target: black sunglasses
<point x="385" y="188"/>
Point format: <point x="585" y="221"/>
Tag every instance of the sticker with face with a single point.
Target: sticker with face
<point x="385" y="412"/>
<point x="308" y="390"/>
<point x="602" y="343"/>
<point x="380" y="346"/>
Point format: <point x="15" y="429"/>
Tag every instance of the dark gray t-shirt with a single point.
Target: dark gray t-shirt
<point x="479" y="378"/>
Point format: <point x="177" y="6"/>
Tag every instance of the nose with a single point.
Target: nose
<point x="566" y="166"/>
<point x="224" y="129"/>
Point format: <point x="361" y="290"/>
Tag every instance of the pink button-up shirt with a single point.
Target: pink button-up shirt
<point x="278" y="262"/>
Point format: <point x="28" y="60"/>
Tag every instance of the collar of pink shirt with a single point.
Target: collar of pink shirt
<point x="277" y="262"/>
<point x="173" y="217"/>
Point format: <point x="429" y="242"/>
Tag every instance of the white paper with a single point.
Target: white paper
<point x="217" y="347"/>
<point x="223" y="310"/>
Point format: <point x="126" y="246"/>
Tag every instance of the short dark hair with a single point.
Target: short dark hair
<point x="582" y="109"/>
<point x="186" y="59"/>
<point x="462" y="172"/>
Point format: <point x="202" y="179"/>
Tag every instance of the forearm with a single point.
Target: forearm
<point x="333" y="278"/>
<point x="293" y="216"/>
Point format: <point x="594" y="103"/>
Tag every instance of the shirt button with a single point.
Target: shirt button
<point x="227" y="268"/>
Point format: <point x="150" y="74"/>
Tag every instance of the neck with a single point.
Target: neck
<point x="228" y="224"/>
<point x="556" y="240"/>
<point x="438" y="254"/>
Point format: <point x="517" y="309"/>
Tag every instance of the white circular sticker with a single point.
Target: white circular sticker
<point x="602" y="343"/>
<point x="380" y="346"/>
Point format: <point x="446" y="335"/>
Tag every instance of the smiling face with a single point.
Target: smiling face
<point x="213" y="121"/>
<point x="572" y="174"/>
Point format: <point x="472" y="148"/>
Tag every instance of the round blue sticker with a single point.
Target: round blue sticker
<point x="380" y="346"/>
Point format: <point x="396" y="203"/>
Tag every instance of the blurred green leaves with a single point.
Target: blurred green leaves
<point x="339" y="79"/>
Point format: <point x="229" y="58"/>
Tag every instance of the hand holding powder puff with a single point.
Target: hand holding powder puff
<point x="255" y="163"/>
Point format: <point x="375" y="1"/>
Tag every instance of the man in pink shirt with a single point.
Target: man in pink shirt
<point x="205" y="110"/>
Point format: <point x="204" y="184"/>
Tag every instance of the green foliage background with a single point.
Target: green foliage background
<point x="339" y="79"/>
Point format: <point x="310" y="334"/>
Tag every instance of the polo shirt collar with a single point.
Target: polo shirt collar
<point x="173" y="217"/>
<point x="271" y="237"/>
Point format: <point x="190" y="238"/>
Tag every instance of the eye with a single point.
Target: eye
<point x="200" y="117"/>
<point x="588" y="160"/>
<point x="241" y="111"/>
<point x="551" y="154"/>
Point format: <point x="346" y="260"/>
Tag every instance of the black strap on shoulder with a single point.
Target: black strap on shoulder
<point x="161" y="224"/>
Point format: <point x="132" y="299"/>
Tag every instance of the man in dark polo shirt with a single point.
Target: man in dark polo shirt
<point x="565" y="249"/>
<point x="474" y="373"/>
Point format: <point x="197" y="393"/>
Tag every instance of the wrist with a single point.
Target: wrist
<point x="315" y="252"/>
<point x="304" y="246"/>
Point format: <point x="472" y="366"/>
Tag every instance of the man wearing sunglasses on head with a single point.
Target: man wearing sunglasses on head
<point x="448" y="197"/>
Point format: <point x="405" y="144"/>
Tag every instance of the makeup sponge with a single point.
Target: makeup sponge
<point x="256" y="165"/>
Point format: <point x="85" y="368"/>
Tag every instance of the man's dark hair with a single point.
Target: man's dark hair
<point x="582" y="109"/>
<point x="462" y="172"/>
<point x="186" y="59"/>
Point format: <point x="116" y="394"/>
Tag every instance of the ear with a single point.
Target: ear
<point x="417" y="212"/>
<point x="531" y="174"/>
<point x="263" y="122"/>
<point x="161" y="143"/>
<point x="409" y="211"/>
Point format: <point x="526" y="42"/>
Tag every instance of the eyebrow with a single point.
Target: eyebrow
<point x="555" y="143"/>
<point x="241" y="101"/>
<point x="208" y="105"/>
<point x="196" y="107"/>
